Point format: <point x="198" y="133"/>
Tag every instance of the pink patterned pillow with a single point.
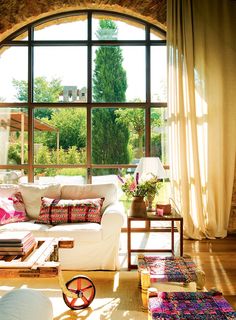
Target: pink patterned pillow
<point x="12" y="209"/>
<point x="58" y="211"/>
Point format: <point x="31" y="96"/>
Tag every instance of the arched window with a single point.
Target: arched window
<point x="82" y="94"/>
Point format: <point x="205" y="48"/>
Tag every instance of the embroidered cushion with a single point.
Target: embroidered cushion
<point x="59" y="211"/>
<point x="12" y="209"/>
<point x="94" y="210"/>
<point x="190" y="305"/>
<point x="162" y="269"/>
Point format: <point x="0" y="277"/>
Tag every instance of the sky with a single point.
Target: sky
<point x="70" y="63"/>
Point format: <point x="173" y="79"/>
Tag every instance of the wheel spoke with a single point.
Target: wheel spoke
<point x="86" y="288"/>
<point x="78" y="283"/>
<point x="73" y="302"/>
<point x="72" y="290"/>
<point x="86" y="301"/>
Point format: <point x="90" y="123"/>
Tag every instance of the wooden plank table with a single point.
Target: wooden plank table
<point x="41" y="261"/>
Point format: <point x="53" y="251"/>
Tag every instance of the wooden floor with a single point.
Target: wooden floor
<point x="218" y="259"/>
<point x="118" y="294"/>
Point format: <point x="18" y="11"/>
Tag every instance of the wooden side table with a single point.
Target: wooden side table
<point x="173" y="217"/>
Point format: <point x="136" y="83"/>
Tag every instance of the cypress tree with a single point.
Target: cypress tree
<point x="110" y="138"/>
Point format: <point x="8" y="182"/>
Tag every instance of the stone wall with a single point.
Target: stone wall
<point x="17" y="13"/>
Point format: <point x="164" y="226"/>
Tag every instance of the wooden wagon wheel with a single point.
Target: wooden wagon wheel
<point x="85" y="290"/>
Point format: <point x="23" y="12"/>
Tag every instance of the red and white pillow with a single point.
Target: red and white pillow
<point x="12" y="209"/>
<point x="59" y="211"/>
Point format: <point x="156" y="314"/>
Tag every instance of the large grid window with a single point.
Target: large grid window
<point x="82" y="98"/>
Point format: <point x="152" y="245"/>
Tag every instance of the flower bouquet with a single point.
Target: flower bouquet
<point x="135" y="187"/>
<point x="132" y="187"/>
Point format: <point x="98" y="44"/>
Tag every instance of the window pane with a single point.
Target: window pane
<point x="159" y="134"/>
<point x="111" y="176"/>
<point x="68" y="28"/>
<point x="13" y="74"/>
<point x="105" y="27"/>
<point x="63" y="175"/>
<point x="117" y="135"/>
<point x="105" y="175"/>
<point x="156" y="34"/>
<point x="13" y="176"/>
<point x="22" y="36"/>
<point x="14" y="136"/>
<point x="119" y="74"/>
<point x="60" y="136"/>
<point x="60" y="74"/>
<point x="158" y="74"/>
<point x="159" y="148"/>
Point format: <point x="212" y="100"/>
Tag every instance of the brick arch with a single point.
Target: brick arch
<point x="14" y="14"/>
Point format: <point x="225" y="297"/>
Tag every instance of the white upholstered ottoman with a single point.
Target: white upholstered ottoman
<point x="25" y="304"/>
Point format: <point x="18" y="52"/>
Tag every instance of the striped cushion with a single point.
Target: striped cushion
<point x="59" y="211"/>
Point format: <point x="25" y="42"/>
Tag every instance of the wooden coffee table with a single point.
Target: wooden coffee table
<point x="41" y="261"/>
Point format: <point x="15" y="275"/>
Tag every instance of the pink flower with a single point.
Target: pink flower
<point x="132" y="186"/>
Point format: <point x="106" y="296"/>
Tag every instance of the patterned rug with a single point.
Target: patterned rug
<point x="190" y="305"/>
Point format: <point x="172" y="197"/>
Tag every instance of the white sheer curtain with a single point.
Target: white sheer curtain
<point x="202" y="112"/>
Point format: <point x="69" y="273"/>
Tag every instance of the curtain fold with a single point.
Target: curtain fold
<point x="202" y="112"/>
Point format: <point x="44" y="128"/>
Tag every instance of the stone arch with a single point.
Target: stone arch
<point x="16" y="14"/>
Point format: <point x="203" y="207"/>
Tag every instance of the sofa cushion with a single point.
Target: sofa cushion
<point x="25" y="226"/>
<point x="81" y="232"/>
<point x="12" y="209"/>
<point x="6" y="190"/>
<point x="32" y="195"/>
<point x="55" y="211"/>
<point x="91" y="191"/>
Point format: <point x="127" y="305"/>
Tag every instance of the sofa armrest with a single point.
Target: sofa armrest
<point x="113" y="219"/>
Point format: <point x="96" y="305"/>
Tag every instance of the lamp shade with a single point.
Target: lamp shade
<point x="149" y="166"/>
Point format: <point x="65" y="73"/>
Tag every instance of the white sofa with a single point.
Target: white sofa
<point x="96" y="245"/>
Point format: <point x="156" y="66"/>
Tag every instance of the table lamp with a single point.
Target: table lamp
<point x="149" y="167"/>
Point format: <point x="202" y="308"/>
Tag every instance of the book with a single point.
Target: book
<point x="17" y="248"/>
<point x="24" y="250"/>
<point x="16" y="244"/>
<point x="14" y="237"/>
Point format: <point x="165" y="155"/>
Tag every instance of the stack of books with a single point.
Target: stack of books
<point x="16" y="243"/>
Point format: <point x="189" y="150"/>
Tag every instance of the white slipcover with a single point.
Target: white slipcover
<point x="96" y="246"/>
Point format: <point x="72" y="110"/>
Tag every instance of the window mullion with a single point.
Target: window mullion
<point x="30" y="107"/>
<point x="89" y="100"/>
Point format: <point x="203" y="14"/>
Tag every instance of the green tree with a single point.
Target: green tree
<point x="110" y="138"/>
<point x="44" y="91"/>
<point x="71" y="124"/>
<point x="134" y="119"/>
